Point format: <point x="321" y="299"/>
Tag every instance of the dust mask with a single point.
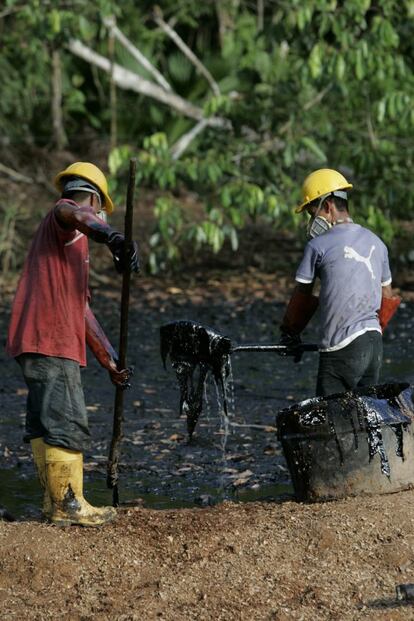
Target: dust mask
<point x="317" y="226"/>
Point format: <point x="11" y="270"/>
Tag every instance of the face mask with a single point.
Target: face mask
<point x="317" y="226"/>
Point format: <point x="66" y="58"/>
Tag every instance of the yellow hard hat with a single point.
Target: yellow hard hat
<point x="319" y="183"/>
<point x="90" y="172"/>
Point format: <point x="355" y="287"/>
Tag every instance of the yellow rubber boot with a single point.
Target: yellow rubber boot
<point x="64" y="471"/>
<point x="39" y="457"/>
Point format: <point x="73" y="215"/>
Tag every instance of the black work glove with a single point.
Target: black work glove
<point x="124" y="259"/>
<point x="292" y="342"/>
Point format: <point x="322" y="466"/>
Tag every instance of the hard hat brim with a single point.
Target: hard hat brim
<point x="302" y="207"/>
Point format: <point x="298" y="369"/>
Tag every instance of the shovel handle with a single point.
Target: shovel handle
<point x="276" y="348"/>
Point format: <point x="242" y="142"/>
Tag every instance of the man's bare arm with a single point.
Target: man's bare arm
<point x="387" y="291"/>
<point x="103" y="351"/>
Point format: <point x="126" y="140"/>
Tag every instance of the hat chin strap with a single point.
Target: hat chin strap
<point x="318" y="225"/>
<point x="102" y="215"/>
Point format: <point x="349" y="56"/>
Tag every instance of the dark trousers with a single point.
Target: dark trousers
<point x="357" y="364"/>
<point x="56" y="408"/>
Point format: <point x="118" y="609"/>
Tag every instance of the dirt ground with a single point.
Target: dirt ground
<point x="338" y="560"/>
<point x="273" y="560"/>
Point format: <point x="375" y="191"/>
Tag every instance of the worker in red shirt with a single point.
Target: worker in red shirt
<point x="51" y="323"/>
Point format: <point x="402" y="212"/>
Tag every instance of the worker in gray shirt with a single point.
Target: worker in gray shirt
<point x="355" y="300"/>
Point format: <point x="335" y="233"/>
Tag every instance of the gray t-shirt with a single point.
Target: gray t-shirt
<point x="352" y="264"/>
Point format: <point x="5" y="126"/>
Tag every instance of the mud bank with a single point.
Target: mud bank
<point x="339" y="560"/>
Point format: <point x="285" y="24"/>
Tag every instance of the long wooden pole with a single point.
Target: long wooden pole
<point x="112" y="469"/>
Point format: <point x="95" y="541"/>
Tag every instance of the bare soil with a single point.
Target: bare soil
<point x="271" y="560"/>
<point x="338" y="560"/>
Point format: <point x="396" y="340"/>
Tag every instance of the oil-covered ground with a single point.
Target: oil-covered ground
<point x="159" y="468"/>
<point x="210" y="529"/>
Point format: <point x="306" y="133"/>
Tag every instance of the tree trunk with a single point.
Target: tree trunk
<point x="59" y="135"/>
<point x="260" y="15"/>
<point x="112" y="85"/>
<point x="226" y="13"/>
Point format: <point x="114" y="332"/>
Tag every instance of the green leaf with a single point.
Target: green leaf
<point x="118" y="157"/>
<point x="312" y="146"/>
<point x="340" y="67"/>
<point x="359" y="65"/>
<point x="54" y="19"/>
<point x="381" y="110"/>
<point x="179" y="67"/>
<point x="315" y="61"/>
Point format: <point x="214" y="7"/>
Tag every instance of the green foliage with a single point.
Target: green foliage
<point x="226" y="197"/>
<point x="29" y="33"/>
<point x="377" y="221"/>
<point x="324" y="83"/>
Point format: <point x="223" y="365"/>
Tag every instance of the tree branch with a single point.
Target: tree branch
<point x="182" y="144"/>
<point x="136" y="53"/>
<point x="371" y="132"/>
<point x="14" y="175"/>
<point x="186" y="50"/>
<point x="313" y="102"/>
<point x="131" y="81"/>
<point x="10" y="11"/>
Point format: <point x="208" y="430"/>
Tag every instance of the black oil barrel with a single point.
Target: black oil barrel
<point x="351" y="443"/>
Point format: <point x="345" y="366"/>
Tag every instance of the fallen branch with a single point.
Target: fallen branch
<point x="131" y="81"/>
<point x="13" y="174"/>
<point x="185" y="50"/>
<point x="182" y="144"/>
<point x="136" y="53"/>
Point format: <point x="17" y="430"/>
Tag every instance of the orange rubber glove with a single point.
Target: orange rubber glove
<point x="388" y="309"/>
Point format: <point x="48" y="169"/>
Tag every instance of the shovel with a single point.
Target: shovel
<point x="194" y="348"/>
<point x="188" y="340"/>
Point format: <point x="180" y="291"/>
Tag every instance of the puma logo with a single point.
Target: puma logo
<point x="350" y="253"/>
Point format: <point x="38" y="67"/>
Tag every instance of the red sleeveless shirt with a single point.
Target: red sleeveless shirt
<point x="48" y="313"/>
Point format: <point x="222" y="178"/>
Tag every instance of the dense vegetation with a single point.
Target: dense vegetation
<point x="234" y="101"/>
